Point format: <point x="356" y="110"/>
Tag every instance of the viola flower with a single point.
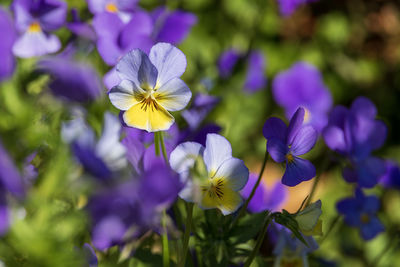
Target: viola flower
<point x="212" y="177"/>
<point x="264" y="198"/>
<point x="9" y="35"/>
<point x="151" y="87"/>
<point x="287" y="143"/>
<point x="355" y="133"/>
<point x="201" y="106"/>
<point x="287" y="7"/>
<point x="302" y="86"/>
<point x="360" y="211"/>
<point x="255" y="77"/>
<point x="123" y="8"/>
<point x="227" y="62"/>
<point x="391" y="177"/>
<point x="102" y="158"/>
<point x="35" y="20"/>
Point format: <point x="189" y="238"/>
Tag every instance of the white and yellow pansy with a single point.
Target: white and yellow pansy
<point x="212" y="177"/>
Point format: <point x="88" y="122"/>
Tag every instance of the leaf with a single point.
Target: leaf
<point x="287" y="220"/>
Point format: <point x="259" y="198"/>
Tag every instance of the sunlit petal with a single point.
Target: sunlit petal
<point x="174" y="95"/>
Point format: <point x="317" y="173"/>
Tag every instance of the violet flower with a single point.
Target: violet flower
<point x="360" y="211"/>
<point x="227" y="62"/>
<point x="302" y="86"/>
<point x="391" y="177"/>
<point x="255" y="77"/>
<point x="287" y="7"/>
<point x="287" y="143"/>
<point x="355" y="133"/>
<point x="35" y="20"/>
<point x="264" y="198"/>
<point x="9" y="35"/>
<point x="122" y="8"/>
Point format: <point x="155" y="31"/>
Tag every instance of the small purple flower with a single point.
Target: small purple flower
<point x="35" y="20"/>
<point x="71" y="80"/>
<point x="9" y="35"/>
<point x="123" y="8"/>
<point x="202" y="105"/>
<point x="391" y="177"/>
<point x="355" y="133"/>
<point x="255" y="77"/>
<point x="287" y="143"/>
<point x="287" y="7"/>
<point x="360" y="211"/>
<point x="80" y="28"/>
<point x="264" y="198"/>
<point x="227" y="62"/>
<point x="302" y="86"/>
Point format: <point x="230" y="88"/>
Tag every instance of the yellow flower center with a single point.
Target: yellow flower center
<point x="289" y="157"/>
<point x="307" y="115"/>
<point x="111" y="7"/>
<point x="214" y="188"/>
<point x="365" y="218"/>
<point x="34" y="27"/>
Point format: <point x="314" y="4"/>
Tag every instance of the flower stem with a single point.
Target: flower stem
<point x="324" y="164"/>
<point x="259" y="241"/>
<point x="164" y="151"/>
<point x="253" y="191"/>
<point x="189" y="209"/>
<point x="157" y="143"/>
<point x="165" y="240"/>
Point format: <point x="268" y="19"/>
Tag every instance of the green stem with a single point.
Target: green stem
<point x="331" y="226"/>
<point x="164" y="151"/>
<point x="259" y="241"/>
<point x="325" y="164"/>
<point x="165" y="240"/>
<point x="157" y="143"/>
<point x="253" y="191"/>
<point x="189" y="208"/>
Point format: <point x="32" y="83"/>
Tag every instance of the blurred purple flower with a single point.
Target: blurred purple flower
<point x="71" y="80"/>
<point x="122" y="8"/>
<point x="102" y="158"/>
<point x="80" y="28"/>
<point x="391" y="177"/>
<point x="287" y="7"/>
<point x="264" y="198"/>
<point x="227" y="62"/>
<point x="201" y="105"/>
<point x="255" y="77"/>
<point x="360" y="211"/>
<point x="302" y="86"/>
<point x="35" y="20"/>
<point x="355" y="133"/>
<point x="287" y="143"/>
<point x="9" y="35"/>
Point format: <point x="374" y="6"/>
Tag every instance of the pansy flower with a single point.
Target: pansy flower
<point x="9" y="35"/>
<point x="360" y="211"/>
<point x="151" y="87"/>
<point x="35" y="20"/>
<point x="302" y="86"/>
<point x="285" y="144"/>
<point x="211" y="175"/>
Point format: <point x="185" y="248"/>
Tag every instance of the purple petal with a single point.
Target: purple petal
<point x="256" y="204"/>
<point x="275" y="197"/>
<point x="54" y="15"/>
<point x="97" y="6"/>
<point x="255" y="77"/>
<point x="351" y="211"/>
<point x="227" y="62"/>
<point x="371" y="204"/>
<point x="7" y="41"/>
<point x="136" y="33"/>
<point x="111" y="79"/>
<point x="294" y="126"/>
<point x="36" y="44"/>
<point x="108" y="232"/>
<point x="369" y="171"/>
<point x="274" y="128"/>
<point x="364" y="107"/>
<point x="298" y="171"/>
<point x="135" y="150"/>
<point x="334" y="139"/>
<point x="391" y="177"/>
<point x="10" y="178"/>
<point x="304" y="140"/>
<point x="371" y="229"/>
<point x="4" y="216"/>
<point x="277" y="149"/>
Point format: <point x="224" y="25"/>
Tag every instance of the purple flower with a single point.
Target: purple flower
<point x="35" y="20"/>
<point x="360" y="211"/>
<point x="9" y="35"/>
<point x="255" y="77"/>
<point x="391" y="177"/>
<point x="355" y="133"/>
<point x="287" y="7"/>
<point x="80" y="28"/>
<point x="302" y="86"/>
<point x="73" y="81"/>
<point x="287" y="143"/>
<point x="227" y="62"/>
<point x="264" y="198"/>
<point x="202" y="104"/>
<point x="123" y="8"/>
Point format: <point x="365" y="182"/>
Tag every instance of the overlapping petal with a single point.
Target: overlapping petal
<point x="36" y="44"/>
<point x="304" y="140"/>
<point x="125" y="95"/>
<point x="277" y="149"/>
<point x="298" y="171"/>
<point x="174" y="95"/>
<point x="234" y="173"/>
<point x="295" y="125"/>
<point x="274" y="128"/>
<point x="218" y="149"/>
<point x="185" y="155"/>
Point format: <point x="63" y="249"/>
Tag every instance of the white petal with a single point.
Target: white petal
<point x="234" y="172"/>
<point x="169" y="61"/>
<point x="218" y="149"/>
<point x="184" y="156"/>
<point x="129" y="65"/>
<point x="34" y="44"/>
<point x="173" y="95"/>
<point x="122" y="96"/>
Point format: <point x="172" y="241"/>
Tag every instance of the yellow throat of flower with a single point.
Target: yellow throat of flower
<point x="34" y="27"/>
<point x="111" y="7"/>
<point x="214" y="188"/>
<point x="289" y="157"/>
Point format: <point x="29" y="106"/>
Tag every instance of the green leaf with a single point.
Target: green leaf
<point x="287" y="220"/>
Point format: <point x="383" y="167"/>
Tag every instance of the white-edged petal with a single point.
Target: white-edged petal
<point x="169" y="61"/>
<point x="35" y="44"/>
<point x="129" y="65"/>
<point x="123" y="95"/>
<point x="184" y="156"/>
<point x="173" y="95"/>
<point x="218" y="149"/>
<point x="234" y="172"/>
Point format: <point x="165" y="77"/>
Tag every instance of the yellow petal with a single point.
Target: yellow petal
<point x="148" y="115"/>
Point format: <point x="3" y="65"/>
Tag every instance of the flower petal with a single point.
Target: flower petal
<point x="169" y="61"/>
<point x="256" y="204"/>
<point x="125" y="95"/>
<point x="277" y="149"/>
<point x="298" y="171"/>
<point x="371" y="229"/>
<point x="274" y="198"/>
<point x="234" y="173"/>
<point x="148" y="118"/>
<point x="334" y="139"/>
<point x="218" y="149"/>
<point x="147" y="74"/>
<point x="184" y="156"/>
<point x="295" y="124"/>
<point x="304" y="140"/>
<point x="274" y="128"/>
<point x="364" y="107"/>
<point x="128" y="67"/>
<point x="173" y="95"/>
<point x="36" y="44"/>
<point x="228" y="203"/>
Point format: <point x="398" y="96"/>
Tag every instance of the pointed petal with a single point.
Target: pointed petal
<point x="295" y="124"/>
<point x="148" y="118"/>
<point x="234" y="173"/>
<point x="298" y="171"/>
<point x="169" y="61"/>
<point x="218" y="149"/>
<point x="274" y="128"/>
<point x="277" y="149"/>
<point x="304" y="140"/>
<point x="173" y="95"/>
<point x="185" y="155"/>
<point x="125" y="95"/>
